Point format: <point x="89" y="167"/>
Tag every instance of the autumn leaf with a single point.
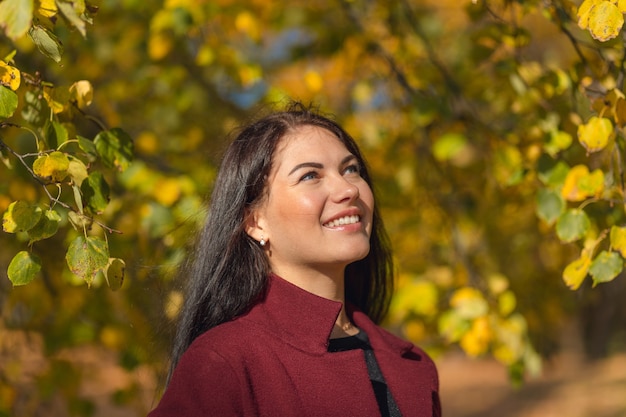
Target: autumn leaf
<point x="82" y="93"/>
<point x="9" y="76"/>
<point x="469" y="303"/>
<point x="595" y="134"/>
<point x="575" y="272"/>
<point x="52" y="167"/>
<point x="86" y="256"/>
<point x="602" y="18"/>
<point x="580" y="183"/>
<point x="618" y="239"/>
<point x="20" y="217"/>
<point x="476" y="341"/>
<point x="47" y="8"/>
<point x="15" y="17"/>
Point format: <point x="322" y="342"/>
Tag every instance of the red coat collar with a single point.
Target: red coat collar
<point x="305" y="320"/>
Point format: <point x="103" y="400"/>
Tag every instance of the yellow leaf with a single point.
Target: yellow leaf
<point x="571" y="190"/>
<point x="313" y="81"/>
<point x="509" y="343"/>
<point x="159" y="45"/>
<point x="618" y="239"/>
<point x="595" y="134"/>
<point x="605" y="21"/>
<point x="250" y="74"/>
<point x="414" y="330"/>
<point x="167" y="191"/>
<point x="612" y="104"/>
<point x="77" y="170"/>
<point x="507" y="303"/>
<point x="245" y="22"/>
<point x="173" y="304"/>
<point x="476" y="341"/>
<point x="112" y="338"/>
<point x="20" y="217"/>
<point x="9" y="76"/>
<point x="583" y="12"/>
<point x="57" y="98"/>
<point x="147" y="142"/>
<point x="82" y="93"/>
<point x="575" y="273"/>
<point x="498" y="283"/>
<point x="47" y="8"/>
<point x="53" y="166"/>
<point x="469" y="303"/>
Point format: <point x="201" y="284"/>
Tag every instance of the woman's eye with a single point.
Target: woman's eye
<point x="309" y="176"/>
<point x="352" y="169"/>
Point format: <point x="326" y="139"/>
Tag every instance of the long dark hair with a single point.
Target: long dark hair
<point x="228" y="270"/>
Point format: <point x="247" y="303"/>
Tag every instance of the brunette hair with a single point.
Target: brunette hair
<point x="229" y="270"/>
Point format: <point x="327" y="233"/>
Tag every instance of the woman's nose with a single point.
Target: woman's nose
<point x="345" y="190"/>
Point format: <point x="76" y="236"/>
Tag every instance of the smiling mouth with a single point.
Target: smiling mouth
<point x="342" y="221"/>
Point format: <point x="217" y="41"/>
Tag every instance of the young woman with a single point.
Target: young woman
<point x="291" y="273"/>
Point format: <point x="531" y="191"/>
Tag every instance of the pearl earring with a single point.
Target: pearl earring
<point x="262" y="242"/>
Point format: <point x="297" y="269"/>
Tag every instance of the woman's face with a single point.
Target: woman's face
<point x="317" y="214"/>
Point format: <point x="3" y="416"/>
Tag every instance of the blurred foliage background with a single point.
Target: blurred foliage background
<point x="494" y="130"/>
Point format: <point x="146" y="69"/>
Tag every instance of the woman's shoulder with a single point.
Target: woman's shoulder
<point x="227" y="337"/>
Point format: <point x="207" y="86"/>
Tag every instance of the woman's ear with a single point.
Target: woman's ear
<point x="254" y="225"/>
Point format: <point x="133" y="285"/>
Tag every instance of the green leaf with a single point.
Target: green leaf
<point x="448" y="146"/>
<point x="606" y="267"/>
<point x="550" y="205"/>
<point x="114" y="273"/>
<point x="47" y="42"/>
<point x="452" y="326"/>
<point x="115" y="147"/>
<point x="572" y="225"/>
<point x="558" y="141"/>
<point x="95" y="191"/>
<point x="86" y="256"/>
<point x="507" y="165"/>
<point x="8" y="102"/>
<point x="507" y="303"/>
<point x="69" y="12"/>
<point x="15" y="17"/>
<point x="35" y="109"/>
<point x="20" y="217"/>
<point x="88" y="147"/>
<point x="552" y="174"/>
<point x="55" y="134"/>
<point x="47" y="226"/>
<point x="23" y="268"/>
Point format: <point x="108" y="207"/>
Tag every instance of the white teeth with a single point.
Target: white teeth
<point x="342" y="221"/>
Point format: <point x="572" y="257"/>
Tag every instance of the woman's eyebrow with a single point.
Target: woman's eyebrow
<point x="317" y="165"/>
<point x="348" y="159"/>
<point x="306" y="165"/>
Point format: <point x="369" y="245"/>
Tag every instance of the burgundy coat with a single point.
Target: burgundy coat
<point x="273" y="361"/>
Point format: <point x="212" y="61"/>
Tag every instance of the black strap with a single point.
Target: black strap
<point x="386" y="404"/>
